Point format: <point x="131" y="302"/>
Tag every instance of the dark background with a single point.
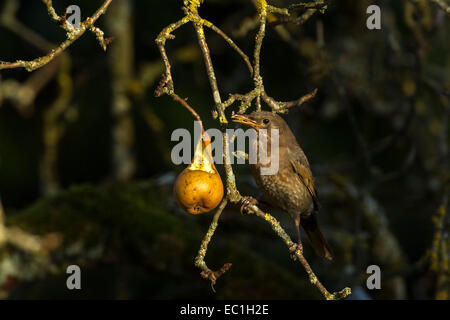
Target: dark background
<point x="376" y="136"/>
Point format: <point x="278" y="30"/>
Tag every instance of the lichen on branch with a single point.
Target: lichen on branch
<point x="257" y="95"/>
<point x="72" y="34"/>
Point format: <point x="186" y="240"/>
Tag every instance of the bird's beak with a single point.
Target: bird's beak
<point x="239" y="118"/>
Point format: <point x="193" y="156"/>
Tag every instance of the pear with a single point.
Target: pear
<point x="199" y="188"/>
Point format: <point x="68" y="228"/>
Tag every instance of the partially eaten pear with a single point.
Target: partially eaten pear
<point x="199" y="188"/>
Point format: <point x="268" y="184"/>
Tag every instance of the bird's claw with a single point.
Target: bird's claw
<point x="247" y="201"/>
<point x="294" y="248"/>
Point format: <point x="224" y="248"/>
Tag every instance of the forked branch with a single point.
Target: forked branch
<point x="72" y="34"/>
<point x="258" y="95"/>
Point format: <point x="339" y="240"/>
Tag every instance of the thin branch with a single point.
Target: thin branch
<point x="184" y="103"/>
<point x="251" y="208"/>
<point x="72" y="34"/>
<point x="312" y="8"/>
<point x="259" y="92"/>
<point x="232" y="45"/>
<point x="200" y="259"/>
<point x="165" y="34"/>
<point x="443" y="5"/>
<point x="282" y="107"/>
<point x="23" y="94"/>
<point x="166" y="87"/>
<point x="232" y="193"/>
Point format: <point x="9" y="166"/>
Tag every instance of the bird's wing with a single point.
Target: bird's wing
<point x="301" y="168"/>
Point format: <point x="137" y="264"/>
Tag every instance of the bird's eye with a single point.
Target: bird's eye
<point x="266" y="121"/>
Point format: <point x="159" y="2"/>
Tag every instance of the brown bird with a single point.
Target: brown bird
<point x="292" y="187"/>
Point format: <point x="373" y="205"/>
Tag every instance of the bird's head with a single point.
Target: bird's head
<point x="262" y="120"/>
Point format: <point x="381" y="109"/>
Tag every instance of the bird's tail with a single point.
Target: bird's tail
<point x="318" y="241"/>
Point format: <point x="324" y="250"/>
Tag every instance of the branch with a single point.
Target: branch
<point x="160" y="91"/>
<point x="253" y="209"/>
<point x="22" y="95"/>
<point x="232" y="45"/>
<point x="258" y="93"/>
<point x="200" y="259"/>
<point x="443" y="5"/>
<point x="282" y="107"/>
<point x="72" y="35"/>
<point x="312" y="8"/>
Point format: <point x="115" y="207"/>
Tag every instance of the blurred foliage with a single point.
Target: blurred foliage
<point x="130" y="247"/>
<point x="376" y="136"/>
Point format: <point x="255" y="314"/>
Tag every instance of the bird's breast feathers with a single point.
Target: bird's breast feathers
<point x="283" y="190"/>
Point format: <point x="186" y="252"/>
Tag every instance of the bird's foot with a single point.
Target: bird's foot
<point x="247" y="201"/>
<point x="294" y="249"/>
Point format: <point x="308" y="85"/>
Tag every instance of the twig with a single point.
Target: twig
<point x="309" y="5"/>
<point x="200" y="259"/>
<point x="258" y="93"/>
<point x="298" y="254"/>
<point x="72" y="34"/>
<point x="282" y="107"/>
<point x="184" y="103"/>
<point x="23" y="94"/>
<point x="443" y="5"/>
<point x="232" y="45"/>
<point x="312" y="8"/>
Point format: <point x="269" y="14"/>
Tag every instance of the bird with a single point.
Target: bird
<point x="291" y="188"/>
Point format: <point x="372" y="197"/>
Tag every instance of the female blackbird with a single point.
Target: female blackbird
<point x="291" y="188"/>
